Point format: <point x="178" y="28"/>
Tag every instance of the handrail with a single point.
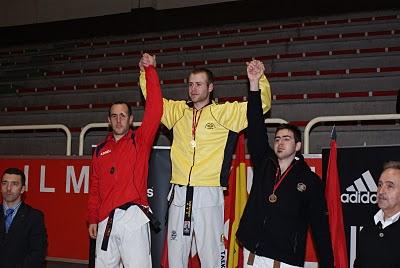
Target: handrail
<point x="275" y="121"/>
<point x="136" y="124"/>
<point x="342" y="118"/>
<point x="52" y="126"/>
<point x="95" y="125"/>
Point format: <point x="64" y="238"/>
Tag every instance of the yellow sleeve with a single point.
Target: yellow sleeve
<point x="142" y="83"/>
<point x="172" y="110"/>
<point x="233" y="115"/>
<point x="230" y="115"/>
<point x="265" y="88"/>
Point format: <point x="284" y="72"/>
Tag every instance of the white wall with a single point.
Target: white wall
<point x="19" y="12"/>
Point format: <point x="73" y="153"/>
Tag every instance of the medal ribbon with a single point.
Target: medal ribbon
<point x="281" y="177"/>
<point x="195" y="122"/>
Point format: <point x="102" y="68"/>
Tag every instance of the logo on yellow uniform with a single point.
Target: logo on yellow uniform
<point x="210" y="126"/>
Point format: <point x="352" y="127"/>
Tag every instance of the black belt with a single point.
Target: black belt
<point x="171" y="198"/>
<point x="187" y="221"/>
<point x="154" y="223"/>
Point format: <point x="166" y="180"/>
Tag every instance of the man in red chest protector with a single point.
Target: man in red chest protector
<point x="118" y="205"/>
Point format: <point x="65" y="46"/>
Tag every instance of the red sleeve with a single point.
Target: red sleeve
<point x="153" y="109"/>
<point x="94" y="197"/>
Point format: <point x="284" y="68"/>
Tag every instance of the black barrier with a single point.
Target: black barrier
<point x="359" y="170"/>
<point x="158" y="187"/>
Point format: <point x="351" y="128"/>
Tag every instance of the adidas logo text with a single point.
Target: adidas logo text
<point x="362" y="192"/>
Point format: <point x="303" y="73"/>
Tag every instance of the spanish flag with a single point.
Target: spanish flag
<point x="238" y="198"/>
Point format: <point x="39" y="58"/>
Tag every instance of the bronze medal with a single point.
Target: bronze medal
<point x="272" y="198"/>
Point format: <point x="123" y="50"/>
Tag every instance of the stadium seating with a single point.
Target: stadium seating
<point x="338" y="65"/>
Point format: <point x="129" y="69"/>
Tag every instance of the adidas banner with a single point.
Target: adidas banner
<point x="359" y="170"/>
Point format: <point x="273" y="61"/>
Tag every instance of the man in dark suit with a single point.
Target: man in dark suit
<point x="23" y="238"/>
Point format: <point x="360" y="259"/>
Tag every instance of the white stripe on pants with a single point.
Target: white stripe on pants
<point x="129" y="243"/>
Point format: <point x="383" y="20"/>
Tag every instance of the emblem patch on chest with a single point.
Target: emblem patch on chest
<point x="105" y="152"/>
<point x="210" y="125"/>
<point x="301" y="187"/>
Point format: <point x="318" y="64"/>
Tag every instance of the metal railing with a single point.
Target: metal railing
<point x="307" y="130"/>
<point x="37" y="127"/>
<point x="86" y="128"/>
<point x="275" y="121"/>
<point x="314" y="121"/>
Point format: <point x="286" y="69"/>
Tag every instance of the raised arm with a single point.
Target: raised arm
<point x="232" y="115"/>
<point x="265" y="93"/>
<point x="258" y="81"/>
<point x="257" y="131"/>
<point x="145" y="61"/>
<point x="153" y="108"/>
<point x="172" y="110"/>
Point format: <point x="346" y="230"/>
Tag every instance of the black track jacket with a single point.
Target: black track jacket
<point x="278" y="230"/>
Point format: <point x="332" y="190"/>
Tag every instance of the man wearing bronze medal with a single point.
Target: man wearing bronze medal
<point x="285" y="199"/>
<point x="204" y="139"/>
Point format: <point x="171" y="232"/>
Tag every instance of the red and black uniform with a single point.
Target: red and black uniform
<point x="119" y="169"/>
<point x="119" y="180"/>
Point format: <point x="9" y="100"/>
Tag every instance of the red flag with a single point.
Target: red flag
<point x="164" y="256"/>
<point x="194" y="262"/>
<point x="332" y="195"/>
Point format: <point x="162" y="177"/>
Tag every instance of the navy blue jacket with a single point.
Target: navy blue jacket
<point x="25" y="244"/>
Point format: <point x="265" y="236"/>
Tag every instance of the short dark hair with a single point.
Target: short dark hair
<point x="16" y="171"/>
<point x="294" y="129"/>
<point x="210" y="78"/>
<point x="123" y="103"/>
<point x="209" y="74"/>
